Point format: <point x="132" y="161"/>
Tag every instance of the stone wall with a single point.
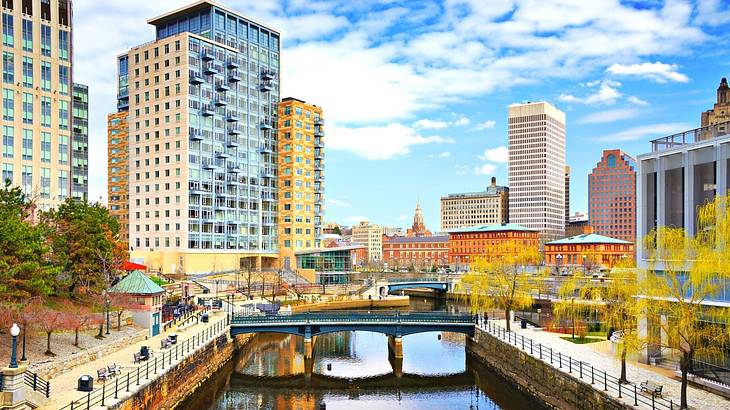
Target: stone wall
<point x="552" y="387"/>
<point x="183" y="379"/>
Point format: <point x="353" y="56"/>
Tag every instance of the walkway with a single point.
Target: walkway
<point x="635" y="372"/>
<point x="64" y="387"/>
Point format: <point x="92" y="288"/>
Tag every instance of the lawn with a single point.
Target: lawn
<point x="584" y="340"/>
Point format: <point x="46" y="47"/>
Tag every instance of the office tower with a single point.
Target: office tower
<point x="488" y="207"/>
<point x="37" y="93"/>
<point x="80" y="144"/>
<point x="301" y="177"/>
<point x="567" y="195"/>
<point x="370" y="236"/>
<point x="118" y="170"/>
<point x="612" y="196"/>
<point x="201" y="104"/>
<point x="537" y="168"/>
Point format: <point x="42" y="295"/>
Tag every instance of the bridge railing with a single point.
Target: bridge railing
<point x="356" y="316"/>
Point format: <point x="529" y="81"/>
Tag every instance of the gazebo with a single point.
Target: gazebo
<point x="144" y="298"/>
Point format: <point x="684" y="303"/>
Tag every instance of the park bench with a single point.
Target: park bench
<point x="102" y="374"/>
<point x="165" y="343"/>
<point x="651" y="388"/>
<point x="114" y="369"/>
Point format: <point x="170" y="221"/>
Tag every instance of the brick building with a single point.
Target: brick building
<point x="612" y="196"/>
<point x="419" y="252"/>
<point x="588" y="251"/>
<point x="491" y="241"/>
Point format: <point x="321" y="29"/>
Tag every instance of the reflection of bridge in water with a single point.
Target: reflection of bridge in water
<point x="406" y="381"/>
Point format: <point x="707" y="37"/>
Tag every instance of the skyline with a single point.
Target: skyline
<point x="437" y="120"/>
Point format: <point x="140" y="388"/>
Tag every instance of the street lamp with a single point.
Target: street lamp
<point x="559" y="261"/>
<point x="107" y="304"/>
<point x="14" y="332"/>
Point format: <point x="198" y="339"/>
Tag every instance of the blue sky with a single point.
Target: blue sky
<point x="415" y="93"/>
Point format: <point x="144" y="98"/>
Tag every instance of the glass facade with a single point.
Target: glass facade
<point x="79" y="144"/>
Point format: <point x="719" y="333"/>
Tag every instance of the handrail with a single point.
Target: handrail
<point x="112" y="389"/>
<point x="578" y="369"/>
<point x="37" y="383"/>
<point x="356" y="317"/>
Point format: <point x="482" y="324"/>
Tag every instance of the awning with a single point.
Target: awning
<point x="130" y="266"/>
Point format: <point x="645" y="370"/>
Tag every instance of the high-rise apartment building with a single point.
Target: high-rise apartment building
<point x="37" y="89"/>
<point x="80" y="144"/>
<point x="612" y="196"/>
<point x="200" y="103"/>
<point x="488" y="207"/>
<point x="537" y="168"/>
<point x="301" y="177"/>
<point x="371" y="237"/>
<point x="118" y="170"/>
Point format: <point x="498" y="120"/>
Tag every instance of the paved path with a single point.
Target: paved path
<point x="64" y="387"/>
<point x="635" y="372"/>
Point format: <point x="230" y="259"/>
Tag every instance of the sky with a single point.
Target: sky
<point x="415" y="93"/>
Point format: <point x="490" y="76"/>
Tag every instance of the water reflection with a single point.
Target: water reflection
<point x="352" y="370"/>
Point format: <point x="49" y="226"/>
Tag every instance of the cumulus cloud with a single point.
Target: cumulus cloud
<point x="444" y="154"/>
<point x="636" y="101"/>
<point x="485" y="169"/>
<point x="609" y="116"/>
<point x="647" y="132"/>
<point x="461" y="121"/>
<point x="337" y="203"/>
<point x="607" y="93"/>
<point x="430" y="124"/>
<point x="499" y="154"/>
<point x="489" y="124"/>
<point x="658" y="72"/>
<point x="379" y="142"/>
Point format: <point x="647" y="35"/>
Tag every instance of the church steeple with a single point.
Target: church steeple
<point x="419" y="227"/>
<point x="722" y="92"/>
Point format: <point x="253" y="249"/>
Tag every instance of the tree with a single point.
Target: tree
<point x="48" y="320"/>
<point x="684" y="272"/>
<point x="504" y="281"/>
<point x="120" y="303"/>
<point x="336" y="230"/>
<point x="85" y="242"/>
<point x="74" y="316"/>
<point x="25" y="269"/>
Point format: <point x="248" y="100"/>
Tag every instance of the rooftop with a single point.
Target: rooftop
<point x="493" y="228"/>
<point x="418" y="239"/>
<point x="202" y="5"/>
<point x="588" y="238"/>
<point x="491" y="190"/>
<point x="691" y="136"/>
<point x="136" y="283"/>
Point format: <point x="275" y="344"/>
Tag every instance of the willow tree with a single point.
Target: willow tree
<point x="505" y="281"/>
<point x="684" y="273"/>
<point x="576" y="297"/>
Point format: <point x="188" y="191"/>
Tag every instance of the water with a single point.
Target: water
<point x="352" y="370"/>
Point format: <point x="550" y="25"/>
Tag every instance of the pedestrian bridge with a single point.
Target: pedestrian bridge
<point x="397" y="324"/>
<point x="438" y="284"/>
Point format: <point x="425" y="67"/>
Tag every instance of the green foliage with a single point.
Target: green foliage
<point x="25" y="269"/>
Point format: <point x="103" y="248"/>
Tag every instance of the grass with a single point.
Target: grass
<point x="582" y="341"/>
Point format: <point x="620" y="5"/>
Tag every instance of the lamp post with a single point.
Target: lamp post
<point x="14" y="332"/>
<point x="559" y="261"/>
<point x="25" y="328"/>
<point x="107" y="304"/>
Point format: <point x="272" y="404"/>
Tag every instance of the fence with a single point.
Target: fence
<point x="37" y="383"/>
<point x="579" y="369"/>
<point x="713" y="372"/>
<point x="112" y="388"/>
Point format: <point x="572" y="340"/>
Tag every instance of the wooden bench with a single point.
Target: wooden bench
<point x="165" y="343"/>
<point x="651" y="388"/>
<point x="114" y="369"/>
<point x="102" y="374"/>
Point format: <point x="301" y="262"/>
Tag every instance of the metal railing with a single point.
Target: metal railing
<point x="386" y="317"/>
<point x="579" y="369"/>
<point x="37" y="383"/>
<point x="709" y="371"/>
<point x="120" y="385"/>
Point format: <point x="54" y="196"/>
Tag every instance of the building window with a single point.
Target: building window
<point x="7" y="173"/>
<point x="8" y="105"/>
<point x="45" y="147"/>
<point x="45" y="183"/>
<point x="62" y="184"/>
<point x="8" y="141"/>
<point x="46" y="76"/>
<point x="28" y="145"/>
<point x="27" y="108"/>
<point x="611" y="161"/>
<point x="28" y="72"/>
<point x="27" y="35"/>
<point x="8" y="30"/>
<point x="46" y="111"/>
<point x="63" y="115"/>
<point x="63" y="79"/>
<point x="8" y="68"/>
<point x="63" y="149"/>
<point x="63" y="45"/>
<point x="27" y="180"/>
<point x="45" y="40"/>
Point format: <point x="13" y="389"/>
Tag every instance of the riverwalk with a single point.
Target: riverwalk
<point x="604" y="363"/>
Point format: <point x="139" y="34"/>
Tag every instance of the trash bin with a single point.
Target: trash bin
<point x="523" y="324"/>
<point x="144" y="351"/>
<point x="204" y="318"/>
<point x="86" y="383"/>
<point x="173" y="338"/>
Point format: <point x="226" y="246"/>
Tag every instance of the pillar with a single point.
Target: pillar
<point x="308" y="366"/>
<point x="307" y="347"/>
<point x="395" y="346"/>
<point x="13" y="393"/>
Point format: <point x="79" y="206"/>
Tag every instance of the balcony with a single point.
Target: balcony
<point x="196" y="79"/>
<point x="210" y="166"/>
<point x="265" y="124"/>
<point x="267" y="173"/>
<point x="123" y="104"/>
<point x="210" y="69"/>
<point x="318" y="132"/>
<point x="265" y="86"/>
<point x="690" y="137"/>
<point x="318" y="166"/>
<point x="232" y="63"/>
<point x="196" y="190"/>
<point x="232" y="116"/>
<point x="222" y="86"/>
<point x="207" y="111"/>
<point x="234" y="131"/>
<point x="207" y="56"/>
<point x="195" y="135"/>
<point x="268" y="197"/>
<point x="233" y="181"/>
<point x="234" y="169"/>
<point x="318" y="142"/>
<point x="319" y="121"/>
<point x="266" y="149"/>
<point x="319" y="154"/>
<point x="222" y="154"/>
<point x="267" y="75"/>
<point x="268" y="221"/>
<point x="232" y="143"/>
<point x="234" y="77"/>
<point x="220" y="101"/>
<point x="318" y="176"/>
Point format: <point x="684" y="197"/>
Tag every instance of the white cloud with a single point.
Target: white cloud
<point x="403" y="217"/>
<point x="461" y="169"/>
<point x="647" y="132"/>
<point x="659" y="72"/>
<point x="485" y="169"/>
<point x="337" y="203"/>
<point x="489" y="124"/>
<point x="609" y="116"/>
<point x="461" y="121"/>
<point x="430" y="124"/>
<point x="499" y="154"/>
<point x="355" y="219"/>
<point x="636" y="101"/>
<point x="379" y="142"/>
<point x="444" y="154"/>
<point x="607" y="93"/>
<point x="713" y="12"/>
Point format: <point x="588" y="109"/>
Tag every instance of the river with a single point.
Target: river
<point x="352" y="370"/>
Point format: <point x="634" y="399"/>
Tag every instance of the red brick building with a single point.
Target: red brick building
<point x="588" y="251"/>
<point x="466" y="244"/>
<point x="612" y="196"/>
<point x="420" y="252"/>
